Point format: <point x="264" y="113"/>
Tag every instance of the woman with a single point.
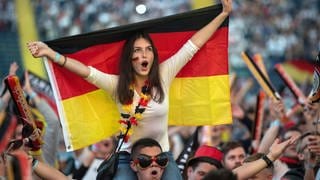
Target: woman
<point x="142" y="84"/>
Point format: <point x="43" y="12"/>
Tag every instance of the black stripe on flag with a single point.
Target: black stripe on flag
<point x="188" y="21"/>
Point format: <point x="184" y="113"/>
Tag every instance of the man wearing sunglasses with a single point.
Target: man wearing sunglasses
<point x="148" y="160"/>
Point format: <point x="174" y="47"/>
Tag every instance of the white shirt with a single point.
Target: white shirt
<point x="154" y="122"/>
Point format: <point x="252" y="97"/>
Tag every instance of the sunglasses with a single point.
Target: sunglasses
<point x="144" y="161"/>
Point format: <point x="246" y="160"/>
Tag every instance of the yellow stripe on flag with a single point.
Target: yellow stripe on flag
<point x="214" y="111"/>
<point x="197" y="4"/>
<point x="96" y="113"/>
<point x="100" y="116"/>
<point x="298" y="75"/>
<point x="27" y="32"/>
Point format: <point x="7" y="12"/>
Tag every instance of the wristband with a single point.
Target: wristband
<point x="57" y="57"/>
<point x="268" y="161"/>
<point x="275" y="123"/>
<point x="35" y="163"/>
<point x="309" y="166"/>
<point x="64" y="62"/>
<point x="32" y="95"/>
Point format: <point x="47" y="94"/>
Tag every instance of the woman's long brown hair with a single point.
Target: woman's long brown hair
<point x="126" y="72"/>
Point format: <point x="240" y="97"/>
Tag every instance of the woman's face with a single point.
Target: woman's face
<point x="142" y="57"/>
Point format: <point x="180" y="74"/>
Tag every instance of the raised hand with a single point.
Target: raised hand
<point x="13" y="68"/>
<point x="27" y="87"/>
<point x="38" y="49"/>
<point x="277" y="109"/>
<point x="278" y="148"/>
<point x="227" y="6"/>
<point x="313" y="144"/>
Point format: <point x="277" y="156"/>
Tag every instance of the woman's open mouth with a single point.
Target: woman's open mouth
<point x="144" y="64"/>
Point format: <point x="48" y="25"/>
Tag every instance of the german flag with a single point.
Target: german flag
<point x="199" y="95"/>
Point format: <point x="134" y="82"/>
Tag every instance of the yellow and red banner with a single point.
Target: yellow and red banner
<point x="200" y="94"/>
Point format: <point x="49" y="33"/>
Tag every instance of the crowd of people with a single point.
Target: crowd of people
<point x="289" y="147"/>
<point x="54" y="18"/>
<point x="287" y="150"/>
<point x="279" y="30"/>
<point x="7" y="16"/>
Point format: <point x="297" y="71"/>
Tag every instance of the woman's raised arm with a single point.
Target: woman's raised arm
<point x="39" y="49"/>
<point x="204" y="34"/>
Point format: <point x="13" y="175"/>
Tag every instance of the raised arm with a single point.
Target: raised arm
<point x="277" y="111"/>
<point x="204" y="34"/>
<point x="40" y="49"/>
<point x="44" y="171"/>
<point x="247" y="170"/>
<point x="51" y="133"/>
<point x="4" y="100"/>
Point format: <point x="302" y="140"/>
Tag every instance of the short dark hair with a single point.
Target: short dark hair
<point x="220" y="174"/>
<point x="228" y="146"/>
<point x="194" y="163"/>
<point x="142" y="143"/>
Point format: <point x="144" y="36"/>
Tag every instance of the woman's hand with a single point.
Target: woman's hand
<point x="38" y="49"/>
<point x="227" y="6"/>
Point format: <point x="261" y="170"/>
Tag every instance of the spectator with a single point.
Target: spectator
<point x="233" y="155"/>
<point x="308" y="149"/>
<point x="142" y="82"/>
<point x="224" y="174"/>
<point x="206" y="158"/>
<point x="290" y="155"/>
<point x="249" y="169"/>
<point x="92" y="157"/>
<point x="148" y="160"/>
<point x="52" y="128"/>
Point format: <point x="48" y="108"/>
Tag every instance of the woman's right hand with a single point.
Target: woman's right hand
<point x="38" y="49"/>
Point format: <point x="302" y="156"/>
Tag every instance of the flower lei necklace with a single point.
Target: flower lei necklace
<point x="127" y="118"/>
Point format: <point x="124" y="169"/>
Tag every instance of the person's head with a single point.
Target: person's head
<point x="264" y="174"/>
<point x="213" y="134"/>
<point x="139" y="60"/>
<point x="302" y="147"/>
<point x="224" y="174"/>
<point x="104" y="147"/>
<point x="234" y="155"/>
<point x="148" y="160"/>
<point x="206" y="158"/>
<point x="291" y="150"/>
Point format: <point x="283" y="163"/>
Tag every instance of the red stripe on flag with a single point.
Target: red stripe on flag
<point x="302" y="65"/>
<point x="211" y="60"/>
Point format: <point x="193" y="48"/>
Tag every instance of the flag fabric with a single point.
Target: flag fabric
<point x="260" y="76"/>
<point x="198" y="96"/>
<point x="300" y="70"/>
